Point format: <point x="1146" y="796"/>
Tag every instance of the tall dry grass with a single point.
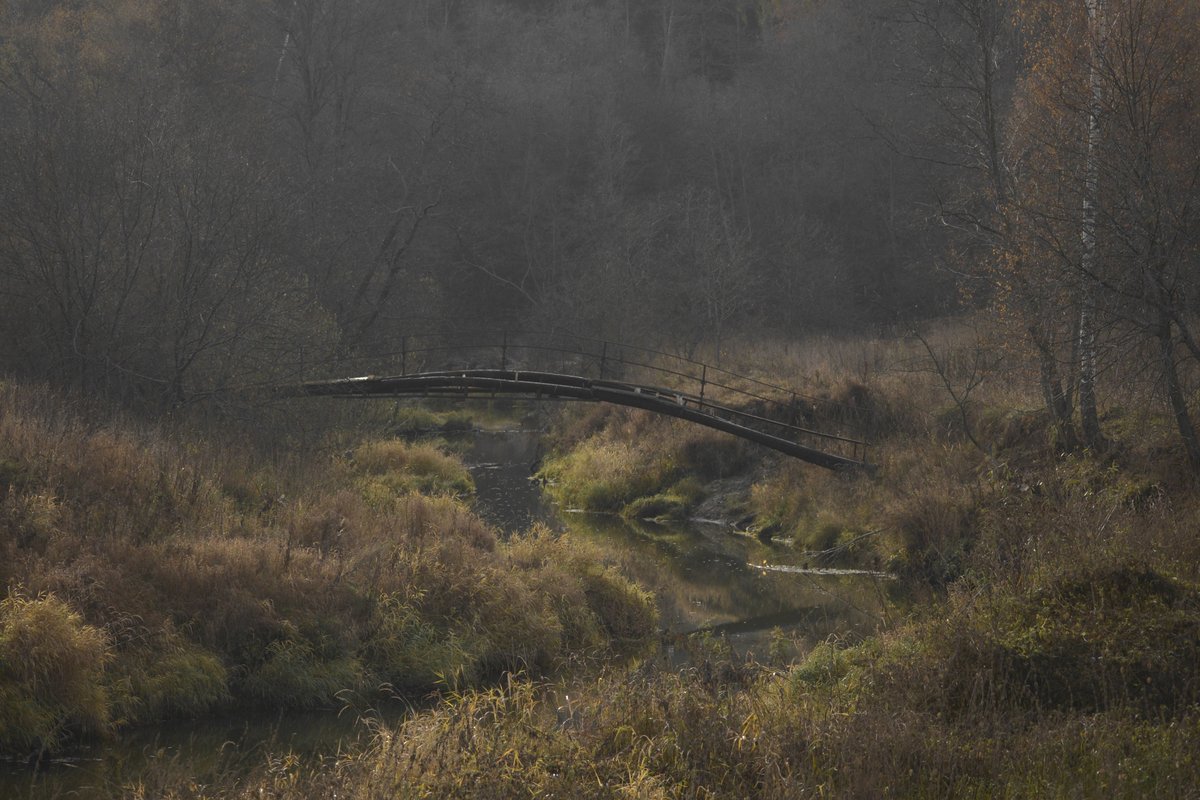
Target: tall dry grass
<point x="178" y="585"/>
<point x="1054" y="650"/>
<point x="961" y="705"/>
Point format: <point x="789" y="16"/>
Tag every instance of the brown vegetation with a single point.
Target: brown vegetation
<point x="161" y="589"/>
<point x="1053" y="651"/>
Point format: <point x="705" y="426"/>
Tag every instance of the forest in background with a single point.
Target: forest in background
<point x="200" y="193"/>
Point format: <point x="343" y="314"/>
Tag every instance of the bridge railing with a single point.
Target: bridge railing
<point x="749" y="401"/>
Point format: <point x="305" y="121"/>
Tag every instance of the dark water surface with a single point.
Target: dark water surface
<point x="183" y="749"/>
<point x="706" y="578"/>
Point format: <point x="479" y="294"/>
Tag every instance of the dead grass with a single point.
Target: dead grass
<point x="1054" y="654"/>
<point x="909" y="715"/>
<point x="176" y="587"/>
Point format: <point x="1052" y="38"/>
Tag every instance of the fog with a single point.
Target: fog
<point x="200" y="193"/>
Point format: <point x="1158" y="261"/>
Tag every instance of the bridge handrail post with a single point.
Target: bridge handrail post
<point x="703" y="380"/>
<point x="504" y="353"/>
<point x="603" y="358"/>
<point x="404" y="355"/>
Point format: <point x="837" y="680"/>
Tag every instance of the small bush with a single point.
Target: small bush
<point x="1125" y="638"/>
<point x="407" y="652"/>
<point x="170" y="678"/>
<point x="1117" y="637"/>
<point x="605" y="476"/>
<point x="659" y="507"/>
<point x="13" y="475"/>
<point x="594" y="604"/>
<point x="820" y="536"/>
<point x="626" y="611"/>
<point x="295" y="676"/>
<point x="932" y="531"/>
<point x="51" y="673"/>
<point x="781" y="499"/>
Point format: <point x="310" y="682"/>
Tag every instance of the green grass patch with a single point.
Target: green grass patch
<point x="171" y="677"/>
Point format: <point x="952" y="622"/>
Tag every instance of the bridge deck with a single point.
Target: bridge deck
<point x="808" y="445"/>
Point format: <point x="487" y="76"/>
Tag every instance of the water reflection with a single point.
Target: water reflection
<point x="704" y="576"/>
<point x="704" y="579"/>
<point x="200" y="751"/>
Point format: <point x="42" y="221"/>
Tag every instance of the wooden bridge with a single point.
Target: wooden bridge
<point x="558" y="367"/>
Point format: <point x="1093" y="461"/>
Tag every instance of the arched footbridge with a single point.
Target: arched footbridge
<point x="563" y="367"/>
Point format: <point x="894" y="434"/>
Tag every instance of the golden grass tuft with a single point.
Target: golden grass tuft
<point x="51" y="673"/>
<point x="393" y="468"/>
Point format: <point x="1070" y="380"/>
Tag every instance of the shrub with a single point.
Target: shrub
<point x="295" y="676"/>
<point x="932" y="530"/>
<point x="594" y="604"/>
<point x="1115" y="638"/>
<point x="51" y="673"/>
<point x="407" y="652"/>
<point x="605" y="476"/>
<point x="1125" y="636"/>
<point x="172" y="677"/>
<point x="660" y="507"/>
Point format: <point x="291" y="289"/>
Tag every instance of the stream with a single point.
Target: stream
<point x="706" y="578"/>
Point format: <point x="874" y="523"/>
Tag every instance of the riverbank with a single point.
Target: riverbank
<point x="147" y="579"/>
<point x="1045" y="643"/>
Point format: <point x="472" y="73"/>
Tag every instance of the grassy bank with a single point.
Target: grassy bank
<point x="1078" y="687"/>
<point x="614" y="460"/>
<point x="148" y="577"/>
<point x="1054" y="650"/>
<point x="1048" y="645"/>
<point x="966" y="458"/>
<point x="974" y="704"/>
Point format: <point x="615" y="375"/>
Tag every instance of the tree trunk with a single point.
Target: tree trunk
<point x="1089" y="419"/>
<point x="1179" y="408"/>
<point x="1058" y="400"/>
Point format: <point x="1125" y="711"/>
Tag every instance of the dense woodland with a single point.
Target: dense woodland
<point x="199" y="193"/>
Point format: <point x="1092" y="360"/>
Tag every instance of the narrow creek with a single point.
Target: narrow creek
<point x="705" y="576"/>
